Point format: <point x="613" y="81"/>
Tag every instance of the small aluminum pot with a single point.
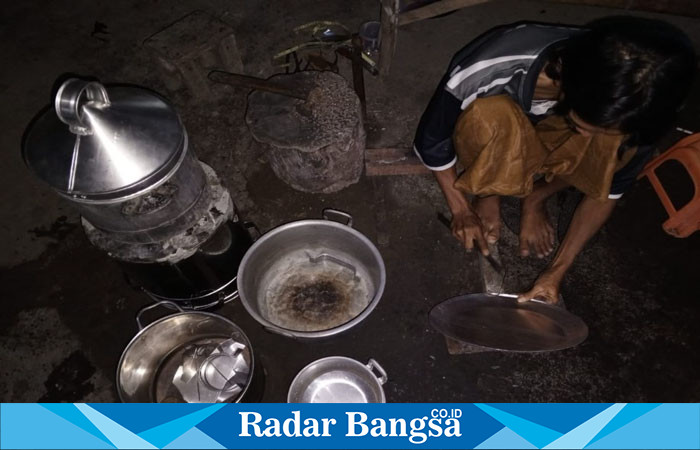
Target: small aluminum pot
<point x="282" y="283"/>
<point x="148" y="364"/>
<point x="337" y="379"/>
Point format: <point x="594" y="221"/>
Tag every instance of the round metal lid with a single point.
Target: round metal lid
<point x="102" y="145"/>
<point x="502" y="323"/>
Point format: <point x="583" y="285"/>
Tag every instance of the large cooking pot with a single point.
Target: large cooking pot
<point x="206" y="279"/>
<point x="311" y="278"/>
<point x="185" y="357"/>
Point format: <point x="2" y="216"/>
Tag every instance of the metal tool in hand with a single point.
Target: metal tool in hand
<point x="495" y="264"/>
<point x="500" y="294"/>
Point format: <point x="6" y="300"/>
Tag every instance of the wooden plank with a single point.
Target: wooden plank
<point x="389" y="19"/>
<point x="455" y="347"/>
<point x="384" y="153"/>
<point x="435" y="9"/>
<point x="373" y="170"/>
<point x="393" y="161"/>
<point x="689" y="8"/>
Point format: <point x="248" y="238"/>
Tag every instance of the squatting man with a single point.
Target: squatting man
<point x="530" y="109"/>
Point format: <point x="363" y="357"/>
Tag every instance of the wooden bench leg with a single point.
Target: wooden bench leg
<point x="389" y="19"/>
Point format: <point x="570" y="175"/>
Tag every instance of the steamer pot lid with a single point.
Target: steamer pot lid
<point x="102" y="144"/>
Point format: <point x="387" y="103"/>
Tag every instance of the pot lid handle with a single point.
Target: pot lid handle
<point x="71" y="97"/>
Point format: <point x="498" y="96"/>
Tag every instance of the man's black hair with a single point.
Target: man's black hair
<point x="628" y="73"/>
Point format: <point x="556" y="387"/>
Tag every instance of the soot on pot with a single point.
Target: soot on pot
<point x="317" y="301"/>
<point x="314" y="296"/>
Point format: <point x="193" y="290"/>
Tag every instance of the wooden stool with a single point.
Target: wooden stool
<point x="686" y="220"/>
<point x="192" y="46"/>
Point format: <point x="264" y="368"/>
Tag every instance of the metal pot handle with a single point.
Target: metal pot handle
<point x="69" y="106"/>
<point x="278" y="331"/>
<point x="373" y="365"/>
<point x="252" y="226"/>
<point x="171" y="305"/>
<point x="229" y="298"/>
<point x="342" y="214"/>
<point x="222" y="300"/>
<point x="333" y="259"/>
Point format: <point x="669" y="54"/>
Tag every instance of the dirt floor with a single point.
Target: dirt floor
<point x="68" y="312"/>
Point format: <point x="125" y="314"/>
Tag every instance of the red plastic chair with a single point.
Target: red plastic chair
<point x="686" y="220"/>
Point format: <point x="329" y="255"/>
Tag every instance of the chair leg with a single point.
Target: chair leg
<point x="686" y="220"/>
<point x="389" y="19"/>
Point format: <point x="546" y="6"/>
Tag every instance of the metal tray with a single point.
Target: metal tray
<point x="501" y="323"/>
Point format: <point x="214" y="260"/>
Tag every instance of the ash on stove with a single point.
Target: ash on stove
<point x="153" y="201"/>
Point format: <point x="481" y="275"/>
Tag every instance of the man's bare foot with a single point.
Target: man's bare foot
<point x="489" y="211"/>
<point x="536" y="233"/>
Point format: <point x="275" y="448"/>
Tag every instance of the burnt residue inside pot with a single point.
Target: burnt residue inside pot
<point x="313" y="293"/>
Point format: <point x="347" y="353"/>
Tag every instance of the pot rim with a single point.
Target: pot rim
<point x="336" y="358"/>
<point x="155" y="323"/>
<point x="181" y="300"/>
<point x="295" y="334"/>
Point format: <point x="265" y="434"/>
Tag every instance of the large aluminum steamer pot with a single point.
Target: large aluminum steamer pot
<point x="311" y="279"/>
<point x="152" y="364"/>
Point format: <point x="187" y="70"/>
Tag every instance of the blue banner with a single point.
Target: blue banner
<point x="350" y="426"/>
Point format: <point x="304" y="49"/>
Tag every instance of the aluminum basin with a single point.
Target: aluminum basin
<point x="311" y="279"/>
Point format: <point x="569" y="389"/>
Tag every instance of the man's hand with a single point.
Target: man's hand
<point x="467" y="228"/>
<point x="589" y="216"/>
<point x="546" y="288"/>
<point x="466" y="225"/>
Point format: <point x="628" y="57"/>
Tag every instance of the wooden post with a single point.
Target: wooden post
<point x="389" y="19"/>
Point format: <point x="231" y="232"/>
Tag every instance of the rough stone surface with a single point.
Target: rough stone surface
<point x="52" y="364"/>
<point x="316" y="145"/>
